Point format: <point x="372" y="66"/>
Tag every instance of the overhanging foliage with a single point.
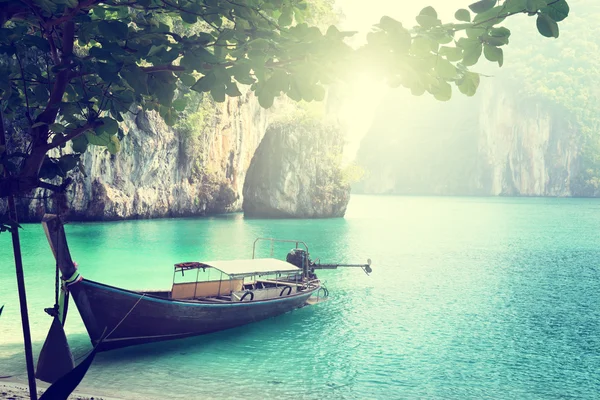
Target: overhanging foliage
<point x="76" y="67"/>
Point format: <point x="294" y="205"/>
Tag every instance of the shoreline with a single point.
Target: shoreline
<point x="11" y="390"/>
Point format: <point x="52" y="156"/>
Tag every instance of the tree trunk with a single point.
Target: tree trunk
<point x="12" y="212"/>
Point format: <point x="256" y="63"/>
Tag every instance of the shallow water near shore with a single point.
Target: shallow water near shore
<point x="469" y="298"/>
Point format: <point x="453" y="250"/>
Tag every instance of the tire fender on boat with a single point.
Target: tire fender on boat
<point x="283" y="290"/>
<point x="246" y="294"/>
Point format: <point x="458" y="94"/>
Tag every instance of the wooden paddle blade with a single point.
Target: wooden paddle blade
<point x="55" y="359"/>
<point x="62" y="388"/>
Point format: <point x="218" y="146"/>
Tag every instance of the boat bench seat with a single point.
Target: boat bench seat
<point x="292" y="284"/>
<point x="190" y="290"/>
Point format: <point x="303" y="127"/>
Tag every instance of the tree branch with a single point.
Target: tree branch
<point x="48" y="116"/>
<point x="28" y="109"/>
<point x="73" y="134"/>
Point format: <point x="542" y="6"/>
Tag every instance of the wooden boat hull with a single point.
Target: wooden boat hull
<point x="131" y="318"/>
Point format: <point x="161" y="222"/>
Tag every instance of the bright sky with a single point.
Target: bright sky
<point x="360" y="15"/>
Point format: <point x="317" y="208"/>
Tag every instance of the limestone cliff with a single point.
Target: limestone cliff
<point x="496" y="143"/>
<point x="165" y="172"/>
<point x="295" y="173"/>
<point x="526" y="147"/>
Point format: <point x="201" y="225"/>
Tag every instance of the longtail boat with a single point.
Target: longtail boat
<point x="205" y="296"/>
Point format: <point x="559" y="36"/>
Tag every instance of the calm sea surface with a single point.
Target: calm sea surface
<point x="470" y="298"/>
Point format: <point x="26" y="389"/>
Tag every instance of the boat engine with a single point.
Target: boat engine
<point x="300" y="259"/>
<point x="297" y="257"/>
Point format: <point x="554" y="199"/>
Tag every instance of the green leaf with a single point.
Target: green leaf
<point x="547" y="26"/>
<point x="241" y="72"/>
<point x="205" y="83"/>
<point x="278" y="82"/>
<point x="168" y="114"/>
<point x="50" y="169"/>
<point x="265" y="99"/>
<point x="451" y="53"/>
<point x="114" y="146"/>
<point x="46" y="5"/>
<point x="286" y="17"/>
<point x="515" y="6"/>
<point x="38" y="124"/>
<point x="535" y="5"/>
<point x="179" y="104"/>
<point x="318" y="92"/>
<point x="445" y="69"/>
<point x="422" y="46"/>
<point x="98" y="138"/>
<point x="294" y="92"/>
<point x="469" y="83"/>
<point x="188" y="18"/>
<point x="474" y="33"/>
<point x="68" y="162"/>
<point x="259" y="44"/>
<point x="218" y="92"/>
<point x="162" y="85"/>
<point x="99" y="12"/>
<point x="80" y="144"/>
<point x="389" y="24"/>
<point x="136" y="78"/>
<point x="187" y="79"/>
<point x="482" y="6"/>
<point x="36" y="41"/>
<point x="57" y="128"/>
<point x="497" y="36"/>
<point x="8" y="50"/>
<point x="500" y="32"/>
<point x="491" y="17"/>
<point x="41" y="93"/>
<point x="428" y="22"/>
<point x="494" y="54"/>
<point x="232" y="90"/>
<point x="443" y="91"/>
<point x="429" y="11"/>
<point x="557" y="11"/>
<point x="427" y="18"/>
<point x="463" y="15"/>
<point x="107" y="71"/>
<point x="109" y="126"/>
<point x="155" y="49"/>
<point x="113" y="30"/>
<point x="472" y="50"/>
<point x="195" y="59"/>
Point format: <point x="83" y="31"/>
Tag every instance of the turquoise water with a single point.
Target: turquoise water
<point x="469" y="298"/>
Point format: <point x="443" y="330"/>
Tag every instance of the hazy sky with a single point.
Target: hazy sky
<point x="360" y="15"/>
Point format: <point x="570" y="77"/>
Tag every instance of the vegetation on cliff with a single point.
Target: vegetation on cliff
<point x="564" y="75"/>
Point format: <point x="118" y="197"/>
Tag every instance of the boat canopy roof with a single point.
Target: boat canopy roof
<point x="239" y="268"/>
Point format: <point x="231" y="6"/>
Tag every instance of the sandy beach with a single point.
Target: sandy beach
<point x="17" y="391"/>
